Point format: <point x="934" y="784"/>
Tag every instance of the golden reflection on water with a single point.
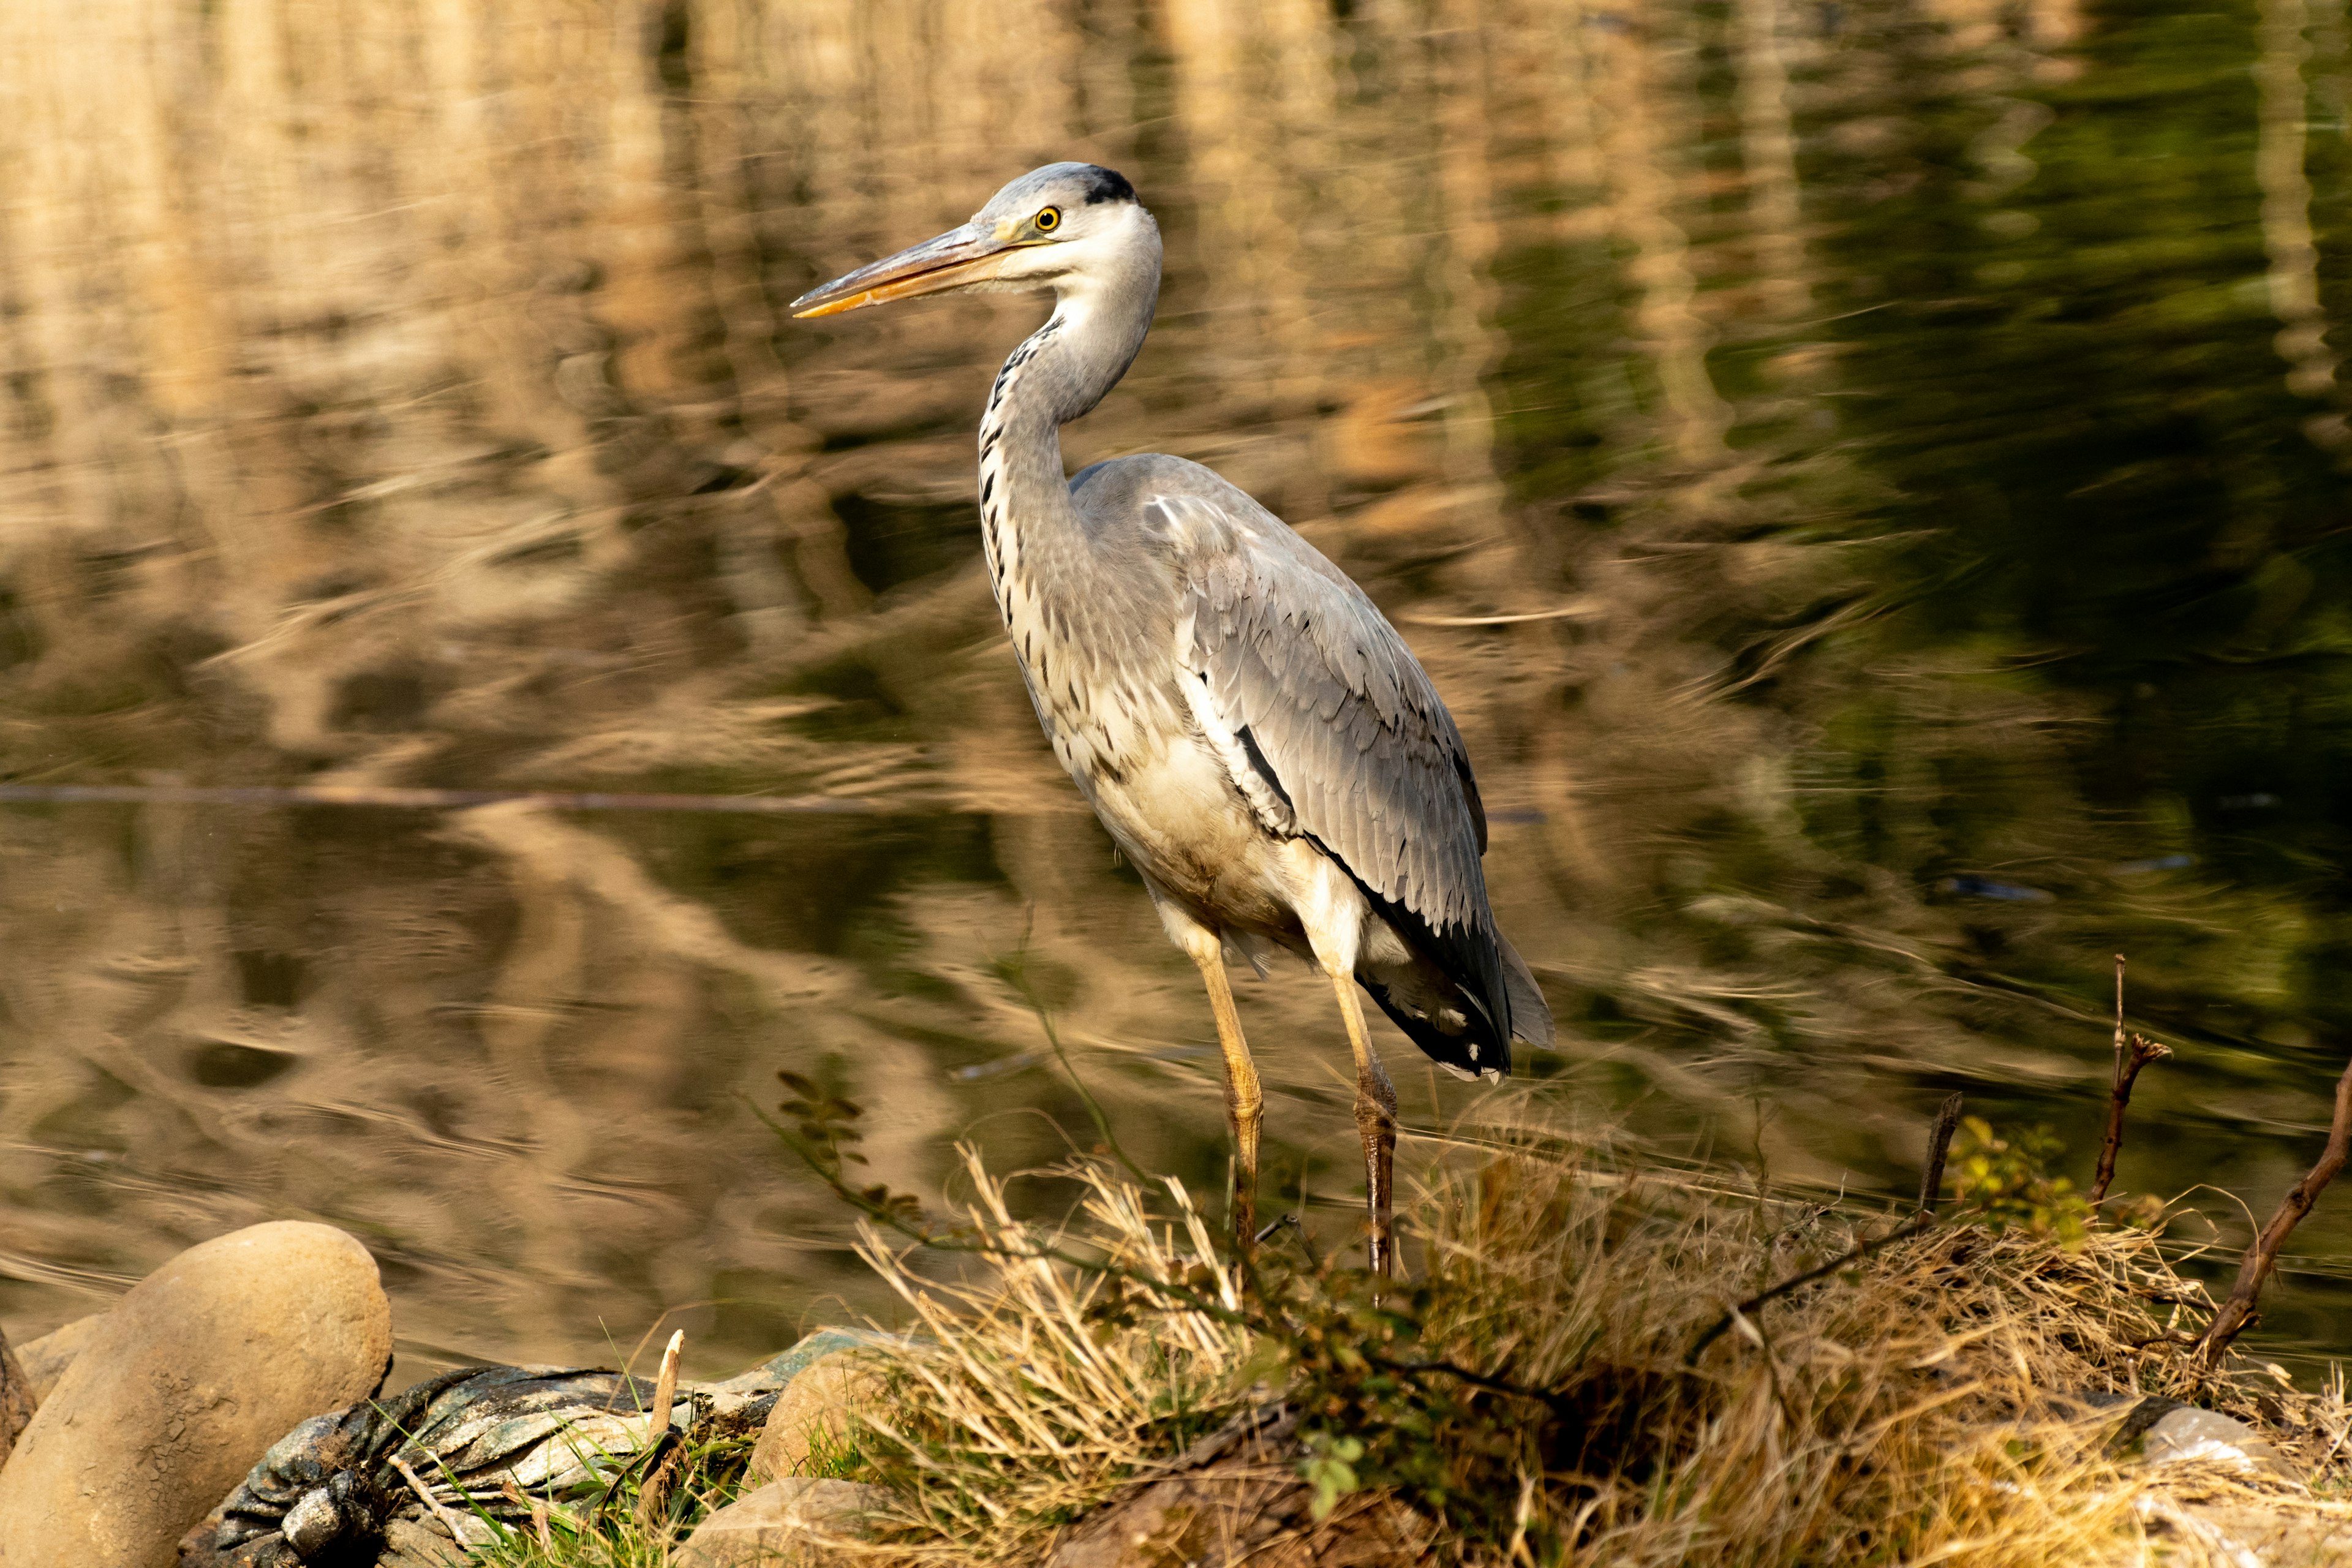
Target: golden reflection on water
<point x="399" y="396"/>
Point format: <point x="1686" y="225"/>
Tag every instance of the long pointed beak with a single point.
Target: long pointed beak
<point x="959" y="256"/>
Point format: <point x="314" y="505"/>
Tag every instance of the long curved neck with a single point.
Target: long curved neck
<point x="1062" y="370"/>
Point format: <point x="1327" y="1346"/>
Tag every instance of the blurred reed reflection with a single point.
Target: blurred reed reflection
<point x="1867" y="477"/>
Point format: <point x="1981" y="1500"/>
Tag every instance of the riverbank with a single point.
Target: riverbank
<point x="1594" y="1356"/>
<point x="1553" y="1383"/>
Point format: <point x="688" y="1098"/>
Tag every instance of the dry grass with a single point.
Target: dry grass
<point x="1035" y="1390"/>
<point x="1952" y="1398"/>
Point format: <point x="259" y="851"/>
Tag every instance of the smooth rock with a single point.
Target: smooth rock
<point x="16" y="1400"/>
<point x="46" y="1358"/>
<point x="410" y="1544"/>
<point x="2190" y="1433"/>
<point x="783" y="1523"/>
<point x="811" y="1413"/>
<point x="184" y="1385"/>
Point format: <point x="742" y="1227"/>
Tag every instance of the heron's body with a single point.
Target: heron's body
<point x="1254" y="734"/>
<point x="1173" y="761"/>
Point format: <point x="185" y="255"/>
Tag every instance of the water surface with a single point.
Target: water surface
<point x="1868" y="478"/>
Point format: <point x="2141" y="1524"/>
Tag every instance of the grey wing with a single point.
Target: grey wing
<point x="1339" y="720"/>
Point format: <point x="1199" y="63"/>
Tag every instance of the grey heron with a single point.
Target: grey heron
<point x="1253" y="733"/>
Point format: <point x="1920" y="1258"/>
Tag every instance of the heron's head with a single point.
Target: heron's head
<point x="1066" y="227"/>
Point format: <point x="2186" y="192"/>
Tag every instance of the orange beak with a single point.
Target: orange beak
<point x="956" y="259"/>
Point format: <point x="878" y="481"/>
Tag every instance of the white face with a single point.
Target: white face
<point x="1058" y="246"/>
<point x="1067" y="227"/>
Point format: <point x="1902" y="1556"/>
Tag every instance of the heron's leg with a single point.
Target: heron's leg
<point x="1376" y="1105"/>
<point x="1244" y="1101"/>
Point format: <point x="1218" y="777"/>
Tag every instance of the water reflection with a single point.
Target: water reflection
<point x="1866" y="476"/>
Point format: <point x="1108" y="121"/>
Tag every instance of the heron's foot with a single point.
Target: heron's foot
<point x="1376" y="1121"/>
<point x="1241" y="1200"/>
<point x="1244" y="1112"/>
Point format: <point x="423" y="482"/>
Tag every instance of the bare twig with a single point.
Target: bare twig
<point x="661" y="1484"/>
<point x="2133" y="1052"/>
<point x="665" y="1469"/>
<point x="2119" y="1014"/>
<point x="666" y="1385"/>
<point x="1940" y="1144"/>
<point x="1715" y="1330"/>
<point x="2262" y="1256"/>
<point x="1016" y="974"/>
<point x="439" y="1509"/>
<point x="2141" y="1052"/>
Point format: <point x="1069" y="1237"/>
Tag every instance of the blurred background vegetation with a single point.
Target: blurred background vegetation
<point x="1869" y="476"/>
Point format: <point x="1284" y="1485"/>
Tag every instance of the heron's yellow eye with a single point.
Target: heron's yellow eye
<point x="1047" y="220"/>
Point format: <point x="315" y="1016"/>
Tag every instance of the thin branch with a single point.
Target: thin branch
<point x="660" y="1482"/>
<point x="661" y="1476"/>
<point x="666" y="1385"/>
<point x="1559" y="1403"/>
<point x="1016" y="974"/>
<point x="2119" y="1015"/>
<point x="450" y="1521"/>
<point x="2133" y="1052"/>
<point x="2142" y="1051"/>
<point x="1272" y="1226"/>
<point x="1901" y="1233"/>
<point x="1940" y="1144"/>
<point x="2238" y="1311"/>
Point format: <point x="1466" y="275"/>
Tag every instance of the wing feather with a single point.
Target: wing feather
<point x="1344" y="716"/>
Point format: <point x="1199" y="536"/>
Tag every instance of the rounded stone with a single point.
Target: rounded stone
<point x="787" y="1522"/>
<point x="184" y="1385"/>
<point x="812" y="1418"/>
<point x="2190" y="1433"/>
<point x="46" y="1358"/>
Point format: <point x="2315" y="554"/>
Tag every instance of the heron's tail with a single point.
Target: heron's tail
<point x="1531" y="1013"/>
<point x="1468" y="1050"/>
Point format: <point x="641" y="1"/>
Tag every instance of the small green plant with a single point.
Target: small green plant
<point x="825" y="1134"/>
<point x="1330" y="1467"/>
<point x="2145" y="1212"/>
<point x="1380" y="1402"/>
<point x="832" y="1457"/>
<point x="2003" y="1182"/>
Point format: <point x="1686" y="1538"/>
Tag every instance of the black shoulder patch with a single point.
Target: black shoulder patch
<point x="1265" y="769"/>
<point x="1107" y="185"/>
